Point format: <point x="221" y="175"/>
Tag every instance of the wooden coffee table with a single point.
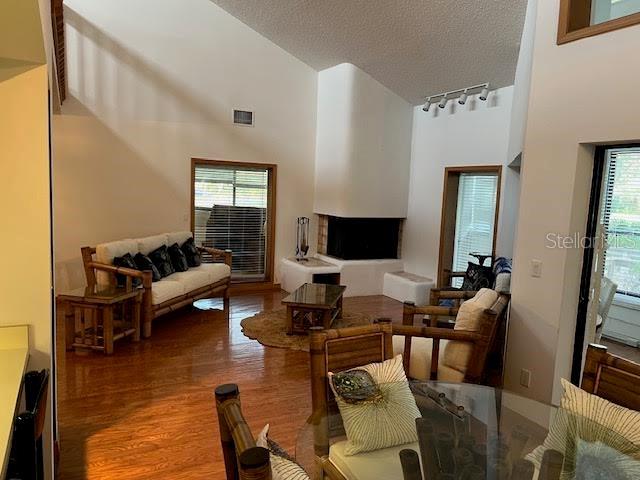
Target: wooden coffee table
<point x="313" y="304"/>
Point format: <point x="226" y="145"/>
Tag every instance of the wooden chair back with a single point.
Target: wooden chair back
<point x="336" y="351"/>
<point x="492" y="327"/>
<point x="611" y="377"/>
<point x="26" y="457"/>
<point x="243" y="460"/>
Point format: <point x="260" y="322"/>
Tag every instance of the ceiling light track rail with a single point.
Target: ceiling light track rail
<point x="461" y="94"/>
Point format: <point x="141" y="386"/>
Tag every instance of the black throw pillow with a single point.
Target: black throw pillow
<point x="161" y="259"/>
<point x="178" y="258"/>
<point x="126" y="261"/>
<point x="144" y="263"/>
<point x="477" y="277"/>
<point x="192" y="253"/>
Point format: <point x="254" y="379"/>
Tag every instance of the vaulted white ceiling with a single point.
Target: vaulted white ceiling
<point x="414" y="47"/>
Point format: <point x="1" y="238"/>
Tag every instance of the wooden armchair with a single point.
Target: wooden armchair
<point x="611" y="377"/>
<point x="487" y="340"/>
<point x="243" y="460"/>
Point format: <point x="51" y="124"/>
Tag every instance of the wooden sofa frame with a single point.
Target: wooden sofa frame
<point x="243" y="460"/>
<point x="150" y="311"/>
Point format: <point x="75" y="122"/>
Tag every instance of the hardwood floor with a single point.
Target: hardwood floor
<point x="147" y="412"/>
<point x="625" y="351"/>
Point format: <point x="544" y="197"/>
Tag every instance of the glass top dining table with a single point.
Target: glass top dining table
<point x="465" y="432"/>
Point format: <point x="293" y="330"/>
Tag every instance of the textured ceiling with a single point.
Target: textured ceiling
<point x="414" y="47"/>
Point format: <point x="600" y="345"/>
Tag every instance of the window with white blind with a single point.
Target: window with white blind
<point x="232" y="210"/>
<point x="621" y="219"/>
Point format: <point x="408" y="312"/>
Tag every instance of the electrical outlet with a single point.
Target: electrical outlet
<point x="525" y="378"/>
<point x="536" y="268"/>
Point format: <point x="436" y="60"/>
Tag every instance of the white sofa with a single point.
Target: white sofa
<point x="172" y="292"/>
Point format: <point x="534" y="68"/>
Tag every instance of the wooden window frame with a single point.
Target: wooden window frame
<point x="448" y="215"/>
<point x="272" y="170"/>
<point x="574" y="21"/>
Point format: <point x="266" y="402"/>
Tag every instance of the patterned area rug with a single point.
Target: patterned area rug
<point x="268" y="328"/>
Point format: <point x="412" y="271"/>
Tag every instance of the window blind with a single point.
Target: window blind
<point x="230" y="212"/>
<point x="620" y="216"/>
<point x="475" y="218"/>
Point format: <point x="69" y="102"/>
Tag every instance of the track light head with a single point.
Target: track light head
<point x="484" y="93"/>
<point x="443" y="102"/>
<point x="463" y="98"/>
<point x="427" y="105"/>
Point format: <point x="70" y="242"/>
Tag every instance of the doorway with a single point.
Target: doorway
<point x="609" y="303"/>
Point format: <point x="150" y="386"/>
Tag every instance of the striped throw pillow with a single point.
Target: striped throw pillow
<point x="587" y="417"/>
<point x="283" y="467"/>
<point x="385" y="420"/>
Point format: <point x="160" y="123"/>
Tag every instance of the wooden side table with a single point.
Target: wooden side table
<point x="95" y="317"/>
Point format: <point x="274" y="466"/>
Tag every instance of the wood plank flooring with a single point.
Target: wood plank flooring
<point x="147" y="412"/>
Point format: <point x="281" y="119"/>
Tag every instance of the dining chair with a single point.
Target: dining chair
<point x="243" y="460"/>
<point x="611" y="377"/>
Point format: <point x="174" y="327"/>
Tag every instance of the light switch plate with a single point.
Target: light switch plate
<point x="536" y="268"/>
<point x="525" y="378"/>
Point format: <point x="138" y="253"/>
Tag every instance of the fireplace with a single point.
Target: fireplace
<point x="359" y="238"/>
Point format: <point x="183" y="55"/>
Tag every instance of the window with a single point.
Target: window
<point x="585" y="18"/>
<point x="621" y="219"/>
<point x="232" y="209"/>
<point x="475" y="217"/>
<point x="469" y="219"/>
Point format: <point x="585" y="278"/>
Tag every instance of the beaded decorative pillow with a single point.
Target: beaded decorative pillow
<point x="383" y="413"/>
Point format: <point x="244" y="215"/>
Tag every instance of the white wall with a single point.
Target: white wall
<point x="25" y="245"/>
<point x="152" y="83"/>
<point x="575" y="101"/>
<point x="474" y="134"/>
<point x="519" y="112"/>
<point x="363" y="146"/>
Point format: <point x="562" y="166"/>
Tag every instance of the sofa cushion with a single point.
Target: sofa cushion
<point x="161" y="259"/>
<point x="178" y="237"/>
<point x="420" y="362"/>
<point x="216" y="271"/>
<point x="106" y="252"/>
<point x="191" y="279"/>
<point x="166" y="289"/>
<point x="147" y="245"/>
<point x="144" y="263"/>
<point x="178" y="258"/>
<point x="375" y="465"/>
<point x="457" y="354"/>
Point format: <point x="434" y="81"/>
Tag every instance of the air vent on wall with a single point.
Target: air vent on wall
<point x="243" y="117"/>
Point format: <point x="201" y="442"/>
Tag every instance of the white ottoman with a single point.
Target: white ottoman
<point x="407" y="287"/>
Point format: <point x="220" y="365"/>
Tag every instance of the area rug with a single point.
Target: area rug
<point x="268" y="328"/>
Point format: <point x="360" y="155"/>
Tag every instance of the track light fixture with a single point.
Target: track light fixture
<point x="461" y="94"/>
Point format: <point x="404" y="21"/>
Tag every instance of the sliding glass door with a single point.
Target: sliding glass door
<point x="233" y="209"/>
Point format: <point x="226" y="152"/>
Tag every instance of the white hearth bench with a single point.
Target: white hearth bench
<point x="408" y="287"/>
